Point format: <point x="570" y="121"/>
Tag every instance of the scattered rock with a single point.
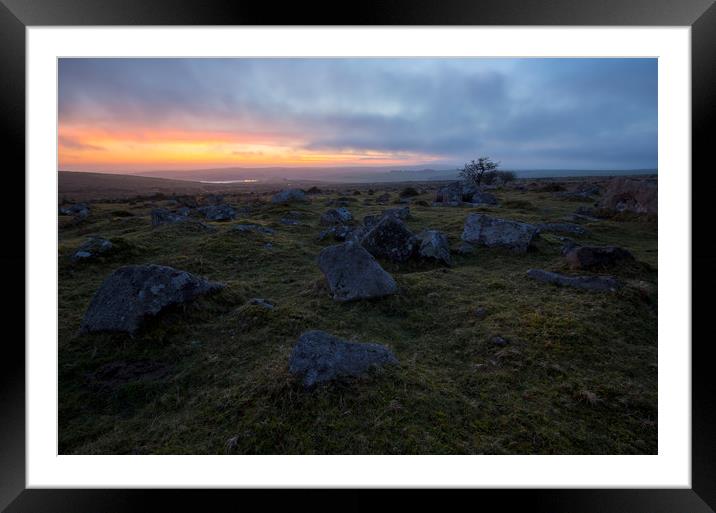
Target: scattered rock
<point x="221" y="212"/>
<point x="252" y="228"/>
<point x="390" y="238"/>
<point x="499" y="341"/>
<point x="399" y="213"/>
<point x="480" y="312"/>
<point x="483" y="198"/>
<point x="79" y="210"/>
<point x="289" y="221"/>
<point x="92" y="248"/>
<point x="455" y="193"/>
<point x="163" y="216"/>
<point x="587" y="257"/>
<point x="319" y="357"/>
<point x="262" y="303"/>
<point x="133" y="293"/>
<point x="465" y="248"/>
<point x="595" y="283"/>
<point x="490" y="231"/>
<point x="335" y="216"/>
<point x="289" y="196"/>
<point x="627" y="194"/>
<point x="434" y="244"/>
<point x="571" y="229"/>
<point x="352" y="273"/>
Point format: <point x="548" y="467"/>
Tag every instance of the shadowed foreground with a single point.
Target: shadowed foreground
<point x="490" y="361"/>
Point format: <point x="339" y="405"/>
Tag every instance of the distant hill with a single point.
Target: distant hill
<point x="362" y="174"/>
<point x="81" y="186"/>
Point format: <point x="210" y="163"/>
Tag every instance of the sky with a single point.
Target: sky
<point x="134" y="115"/>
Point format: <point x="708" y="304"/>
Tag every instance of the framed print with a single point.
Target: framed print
<point x="417" y="248"/>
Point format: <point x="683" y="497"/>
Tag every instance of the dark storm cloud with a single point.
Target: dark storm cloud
<point x="525" y="112"/>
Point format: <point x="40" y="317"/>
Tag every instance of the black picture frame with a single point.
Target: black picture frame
<point x="17" y="15"/>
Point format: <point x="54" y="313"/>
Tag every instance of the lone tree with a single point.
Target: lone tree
<point x="474" y="171"/>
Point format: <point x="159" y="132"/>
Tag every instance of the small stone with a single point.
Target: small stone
<point x="480" y="313"/>
<point x="499" y="341"/>
<point x="335" y="216"/>
<point x="252" y="228"/>
<point x="79" y="210"/>
<point x="594" y="283"/>
<point x="92" y="248"/>
<point x="400" y="213"/>
<point x="262" y="303"/>
<point x="483" y="198"/>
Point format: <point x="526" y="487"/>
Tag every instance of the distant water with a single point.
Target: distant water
<point x="250" y="180"/>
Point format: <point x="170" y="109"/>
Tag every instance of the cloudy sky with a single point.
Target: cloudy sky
<point x="148" y="114"/>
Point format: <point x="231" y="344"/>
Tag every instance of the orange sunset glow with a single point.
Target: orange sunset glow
<point x="144" y="115"/>
<point x="85" y="148"/>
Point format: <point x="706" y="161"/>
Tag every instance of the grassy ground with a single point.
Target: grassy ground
<point x="578" y="377"/>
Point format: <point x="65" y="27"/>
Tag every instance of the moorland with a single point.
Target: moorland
<point x="490" y="360"/>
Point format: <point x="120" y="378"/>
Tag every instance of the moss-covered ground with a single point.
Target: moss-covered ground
<point x="579" y="375"/>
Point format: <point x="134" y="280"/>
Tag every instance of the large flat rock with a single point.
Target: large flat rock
<point x="485" y="230"/>
<point x="134" y="293"/>
<point x="320" y="357"/>
<point x="352" y="273"/>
